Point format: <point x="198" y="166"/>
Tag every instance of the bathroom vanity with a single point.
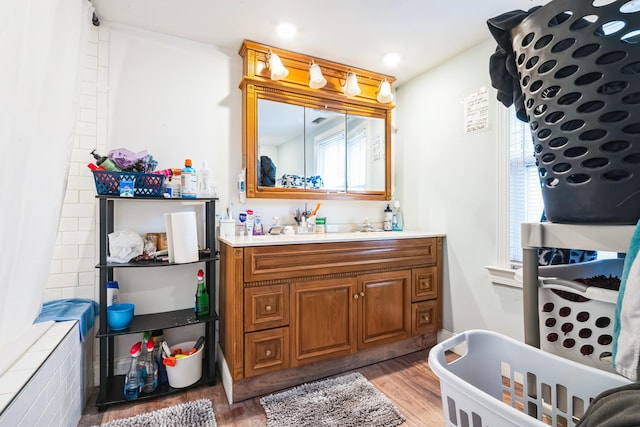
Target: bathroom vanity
<point x="295" y="308"/>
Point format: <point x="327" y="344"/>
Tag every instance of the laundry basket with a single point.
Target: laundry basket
<point x="499" y="381"/>
<point x="579" y="72"/>
<point x="576" y="320"/>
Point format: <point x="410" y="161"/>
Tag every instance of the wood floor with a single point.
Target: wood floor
<point x="406" y="380"/>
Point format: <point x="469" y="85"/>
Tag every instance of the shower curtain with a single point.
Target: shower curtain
<point x="42" y="45"/>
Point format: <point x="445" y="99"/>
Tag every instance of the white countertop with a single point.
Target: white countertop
<point x="294" y="239"/>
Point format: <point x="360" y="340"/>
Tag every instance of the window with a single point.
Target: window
<point x="525" y="196"/>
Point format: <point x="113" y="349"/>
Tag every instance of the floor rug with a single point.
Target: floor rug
<point x="197" y="413"/>
<point x="349" y="400"/>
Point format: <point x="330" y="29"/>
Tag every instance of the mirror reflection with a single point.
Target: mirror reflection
<point x="319" y="149"/>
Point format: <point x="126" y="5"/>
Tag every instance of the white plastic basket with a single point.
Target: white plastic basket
<point x="576" y="321"/>
<point x="488" y="384"/>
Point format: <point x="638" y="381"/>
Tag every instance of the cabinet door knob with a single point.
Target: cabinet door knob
<point x="268" y="308"/>
<point x="268" y="352"/>
<point x="355" y="296"/>
<point x="425" y="317"/>
<point x="361" y="293"/>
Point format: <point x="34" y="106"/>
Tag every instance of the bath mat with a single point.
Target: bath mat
<point x="349" y="400"/>
<point x="197" y="413"/>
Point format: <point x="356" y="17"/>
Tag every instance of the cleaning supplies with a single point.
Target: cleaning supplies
<point x="132" y="382"/>
<point x="202" y="297"/>
<point x="189" y="181"/>
<point x="388" y="219"/>
<point x="151" y="370"/>
<point x="397" y="222"/>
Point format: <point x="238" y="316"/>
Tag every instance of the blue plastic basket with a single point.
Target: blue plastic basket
<point x="145" y="184"/>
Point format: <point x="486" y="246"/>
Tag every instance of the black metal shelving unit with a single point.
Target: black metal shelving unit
<point x="111" y="385"/>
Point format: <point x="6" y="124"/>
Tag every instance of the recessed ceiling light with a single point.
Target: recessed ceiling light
<point x="391" y="59"/>
<point x="286" y="30"/>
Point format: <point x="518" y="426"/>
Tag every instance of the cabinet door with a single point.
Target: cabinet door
<point x="425" y="284"/>
<point x="322" y="320"/>
<point x="384" y="308"/>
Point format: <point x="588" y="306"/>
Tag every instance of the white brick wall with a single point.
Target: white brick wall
<point x="52" y="393"/>
<point x="72" y="273"/>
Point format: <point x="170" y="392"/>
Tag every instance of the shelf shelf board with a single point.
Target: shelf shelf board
<point x="174" y="199"/>
<point x="115" y="388"/>
<point x="164" y="320"/>
<point x="151" y="263"/>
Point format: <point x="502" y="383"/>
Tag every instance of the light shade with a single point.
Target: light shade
<point x="351" y="87"/>
<point x="385" y="96"/>
<point x="316" y="79"/>
<point x="278" y="72"/>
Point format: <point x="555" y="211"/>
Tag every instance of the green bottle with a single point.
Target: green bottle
<point x="202" y="296"/>
<point x="105" y="162"/>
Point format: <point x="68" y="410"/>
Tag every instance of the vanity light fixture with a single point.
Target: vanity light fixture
<point x="351" y="87"/>
<point x="384" y="92"/>
<point x="278" y="72"/>
<point x="316" y="79"/>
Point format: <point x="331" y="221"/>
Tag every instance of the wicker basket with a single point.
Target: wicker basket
<point x="580" y="77"/>
<point x="145" y="184"/>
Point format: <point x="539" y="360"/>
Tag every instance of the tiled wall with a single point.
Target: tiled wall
<point x="72" y="273"/>
<point x="45" y="386"/>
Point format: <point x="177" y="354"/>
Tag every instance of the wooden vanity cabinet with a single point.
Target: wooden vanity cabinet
<point x="293" y="313"/>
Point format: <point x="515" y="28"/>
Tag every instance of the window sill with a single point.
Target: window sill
<point x="503" y="276"/>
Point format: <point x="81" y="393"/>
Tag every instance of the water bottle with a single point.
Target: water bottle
<point x="132" y="382"/>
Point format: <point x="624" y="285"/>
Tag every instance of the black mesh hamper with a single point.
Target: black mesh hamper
<point x="578" y="65"/>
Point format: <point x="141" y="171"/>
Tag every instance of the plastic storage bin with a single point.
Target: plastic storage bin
<point x="581" y="88"/>
<point x="145" y="184"/>
<point x="576" y="321"/>
<point x="187" y="370"/>
<point x="487" y="385"/>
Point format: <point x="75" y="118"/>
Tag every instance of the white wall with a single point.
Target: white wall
<point x="447" y="181"/>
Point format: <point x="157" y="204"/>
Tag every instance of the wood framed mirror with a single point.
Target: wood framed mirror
<point x="304" y="143"/>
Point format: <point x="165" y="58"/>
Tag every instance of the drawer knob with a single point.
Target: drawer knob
<point x="425" y="317"/>
<point x="268" y="308"/>
<point x="268" y="352"/>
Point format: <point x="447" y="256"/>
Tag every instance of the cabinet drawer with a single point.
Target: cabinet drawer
<point x="424" y="284"/>
<point x="266" y="351"/>
<point x="424" y="317"/>
<point x="266" y="307"/>
<point x="287" y="261"/>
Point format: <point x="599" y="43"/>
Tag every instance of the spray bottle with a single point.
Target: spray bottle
<point x="132" y="382"/>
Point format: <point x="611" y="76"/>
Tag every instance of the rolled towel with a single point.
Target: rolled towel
<point x="626" y="324"/>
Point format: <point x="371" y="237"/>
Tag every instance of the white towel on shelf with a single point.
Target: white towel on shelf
<point x="626" y="327"/>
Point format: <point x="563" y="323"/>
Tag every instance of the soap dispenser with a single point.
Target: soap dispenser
<point x="388" y="217"/>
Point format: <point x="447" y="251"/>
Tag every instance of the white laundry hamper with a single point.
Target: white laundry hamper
<point x="499" y="381"/>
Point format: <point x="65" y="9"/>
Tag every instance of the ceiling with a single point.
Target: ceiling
<point x="353" y="32"/>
